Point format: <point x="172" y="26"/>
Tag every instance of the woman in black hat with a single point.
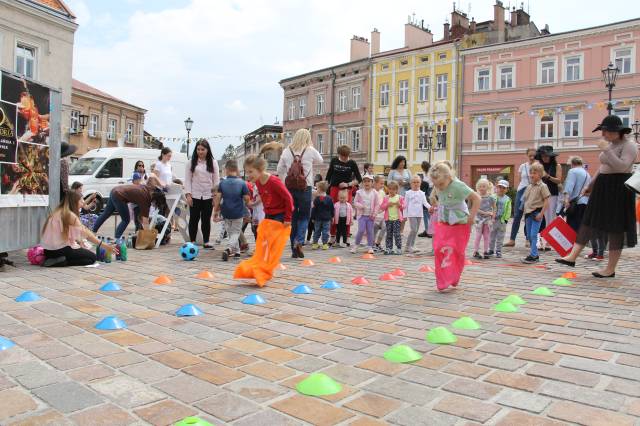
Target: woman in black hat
<point x="552" y="177"/>
<point x="610" y="211"/>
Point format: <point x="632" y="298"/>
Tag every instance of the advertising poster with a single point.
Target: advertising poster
<point x="24" y="140"/>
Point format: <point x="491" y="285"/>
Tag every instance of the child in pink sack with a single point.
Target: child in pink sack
<point x="452" y="228"/>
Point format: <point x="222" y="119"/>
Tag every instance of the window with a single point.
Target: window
<point x="25" y="61"/>
<point x="288" y="138"/>
<point x="403" y="93"/>
<point x="355" y="98"/>
<point x="303" y="107"/>
<point x="383" y="143"/>
<point x="111" y="132"/>
<point x="441" y="86"/>
<point x="129" y="136"/>
<point x="340" y="136"/>
<point x="624" y="116"/>
<point x="75" y="122"/>
<point x="572" y="68"/>
<point x="423" y="89"/>
<point x="93" y="125"/>
<point x="442" y="56"/>
<point x="548" y="72"/>
<point x="342" y="98"/>
<point x="505" y="129"/>
<point x="320" y="143"/>
<point x="483" y="79"/>
<point x="441" y="136"/>
<point x="402" y="137"/>
<point x="112" y="169"/>
<point x="292" y="110"/>
<point x="571" y="125"/>
<point x="624" y="60"/>
<point x="320" y="104"/>
<point x="355" y="140"/>
<point x="423" y="137"/>
<point x="546" y="127"/>
<point x="482" y="131"/>
<point x="384" y="95"/>
<point x="506" y="77"/>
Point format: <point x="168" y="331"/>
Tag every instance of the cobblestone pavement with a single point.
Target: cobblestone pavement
<point x="572" y="358"/>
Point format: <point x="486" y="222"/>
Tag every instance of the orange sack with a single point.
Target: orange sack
<point x="638" y="210"/>
<point x="272" y="238"/>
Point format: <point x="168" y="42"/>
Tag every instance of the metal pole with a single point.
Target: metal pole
<point x="188" y="140"/>
<point x="609" y="105"/>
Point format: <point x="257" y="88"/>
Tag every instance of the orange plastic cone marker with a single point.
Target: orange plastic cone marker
<point x="360" y="280"/>
<point x="307" y="262"/>
<point x="205" y="275"/>
<point x="368" y="256"/>
<point x="570" y="275"/>
<point x="426" y="268"/>
<point x="398" y="273"/>
<point x="387" y="277"/>
<point x="162" y="279"/>
<point x="335" y="260"/>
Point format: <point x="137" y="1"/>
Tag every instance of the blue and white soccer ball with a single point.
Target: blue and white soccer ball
<point x="189" y="251"/>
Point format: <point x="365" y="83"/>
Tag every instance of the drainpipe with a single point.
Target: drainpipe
<point x="461" y="108"/>
<point x="331" y="113"/>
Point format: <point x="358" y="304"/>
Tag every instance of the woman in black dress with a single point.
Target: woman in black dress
<point x="610" y="210"/>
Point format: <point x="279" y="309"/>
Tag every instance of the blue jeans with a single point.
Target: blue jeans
<point x="321" y="228"/>
<point x="301" y="214"/>
<point x="533" y="226"/>
<point x="425" y="218"/>
<point x="123" y="210"/>
<point x="517" y="215"/>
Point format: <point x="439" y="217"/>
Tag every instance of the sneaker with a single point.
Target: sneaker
<point x="325" y="247"/>
<point x="207" y="246"/>
<point x="370" y="250"/>
<point x="398" y="252"/>
<point x="225" y="255"/>
<point x="598" y="258"/>
<point x="489" y="253"/>
<point x="387" y="252"/>
<point x="531" y="259"/>
<point x="55" y="261"/>
<point x="236" y="255"/>
<point x="590" y="256"/>
<point x="498" y="255"/>
<point x="423" y="234"/>
<point x="509" y="243"/>
<point x="314" y="246"/>
<point x="218" y="241"/>
<point x="476" y="255"/>
<point x="348" y="244"/>
<point x="485" y="255"/>
<point x="298" y="249"/>
<point x="244" y="247"/>
<point x="354" y="249"/>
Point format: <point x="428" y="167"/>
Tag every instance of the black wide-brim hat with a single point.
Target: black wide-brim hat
<point x="546" y="150"/>
<point x="67" y="149"/>
<point x="612" y="123"/>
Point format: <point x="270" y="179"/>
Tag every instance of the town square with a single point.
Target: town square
<point x="238" y="213"/>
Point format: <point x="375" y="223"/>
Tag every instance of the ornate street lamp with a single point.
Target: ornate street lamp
<point x="82" y="121"/>
<point x="636" y="129"/>
<point x="609" y="75"/>
<point x="427" y="142"/>
<point x="188" y="124"/>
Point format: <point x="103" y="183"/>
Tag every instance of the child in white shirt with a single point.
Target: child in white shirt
<point x="415" y="200"/>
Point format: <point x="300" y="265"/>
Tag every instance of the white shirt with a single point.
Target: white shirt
<point x="367" y="198"/>
<point x="414" y="201"/>
<point x="310" y="158"/>
<point x="164" y="172"/>
<point x="524" y="175"/>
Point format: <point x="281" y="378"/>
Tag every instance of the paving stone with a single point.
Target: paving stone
<point x="600" y="367"/>
<point x="402" y="390"/>
<point x="467" y="408"/>
<point x="187" y="389"/>
<point x="92" y="372"/>
<point x="422" y="376"/>
<point x="373" y="405"/>
<point x="127" y="392"/>
<point x="149" y="372"/>
<point x="312" y="410"/>
<point x="418" y="416"/>
<point x="625" y="387"/>
<point x="5" y="382"/>
<point x="15" y="402"/>
<point x="268" y="371"/>
<point x="47" y="418"/>
<point x="344" y="356"/>
<point x="347" y="374"/>
<point x="523" y="401"/>
<point x="582" y="414"/>
<point x="536" y="355"/>
<point x="68" y="397"/>
<point x="165" y="413"/>
<point x="564" y="375"/>
<point x="123" y="359"/>
<point x="514" y="380"/>
<point x="595" y="398"/>
<point x="308" y="364"/>
<point x="382" y="366"/>
<point x="267" y="417"/>
<point x="466" y="369"/>
<point x="176" y="359"/>
<point x="103" y="415"/>
<point x="214" y="373"/>
<point x="230" y="358"/>
<point x="524" y="419"/>
<point x="472" y="388"/>
<point x="227" y="406"/>
<point x="503" y="363"/>
<point x="256" y="389"/>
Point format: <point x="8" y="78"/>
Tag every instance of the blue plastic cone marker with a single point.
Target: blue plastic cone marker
<point x="189" y="310"/>
<point x="111" y="323"/>
<point x="28" y="296"/>
<point x="5" y="343"/>
<point x="254" y="299"/>
<point x="302" y="289"/>
<point x="331" y="285"/>
<point x="110" y="286"/>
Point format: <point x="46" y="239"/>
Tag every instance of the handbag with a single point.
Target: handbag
<point x="573" y="204"/>
<point x="146" y="239"/>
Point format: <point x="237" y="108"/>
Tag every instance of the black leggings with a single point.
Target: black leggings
<point x="341" y="230"/>
<point x="75" y="257"/>
<point x="200" y="211"/>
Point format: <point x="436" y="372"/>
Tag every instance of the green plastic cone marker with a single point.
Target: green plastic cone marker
<point x="318" y="384"/>
<point x="562" y="282"/>
<point x="441" y="336"/>
<point x="505" y="307"/>
<point x="543" y="291"/>
<point x="514" y="299"/>
<point x="192" y="421"/>
<point x="402" y="354"/>
<point x="466" y="323"/>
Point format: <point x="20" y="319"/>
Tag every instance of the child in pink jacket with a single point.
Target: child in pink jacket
<point x="342" y="217"/>
<point x="366" y="203"/>
<point x="393" y="206"/>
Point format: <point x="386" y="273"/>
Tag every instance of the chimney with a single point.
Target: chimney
<point x="498" y="20"/>
<point x="375" y="42"/>
<point x="514" y="17"/>
<point x="359" y="48"/>
<point x="417" y="36"/>
<point x="446" y="30"/>
<point x="472" y="26"/>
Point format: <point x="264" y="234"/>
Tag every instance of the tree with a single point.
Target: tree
<point x="229" y="153"/>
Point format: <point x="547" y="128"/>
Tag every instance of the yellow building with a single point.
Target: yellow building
<point x="414" y="89"/>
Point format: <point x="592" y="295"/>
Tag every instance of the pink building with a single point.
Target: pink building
<point x="332" y="103"/>
<point x="546" y="90"/>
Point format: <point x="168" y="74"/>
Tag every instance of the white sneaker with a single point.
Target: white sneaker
<point x="354" y="249"/>
<point x="370" y="250"/>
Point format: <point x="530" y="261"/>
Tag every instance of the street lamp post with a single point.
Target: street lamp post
<point x="636" y="129"/>
<point x="427" y="145"/>
<point x="188" y="124"/>
<point x="609" y="75"/>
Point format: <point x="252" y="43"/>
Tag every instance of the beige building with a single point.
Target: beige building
<point x="98" y="119"/>
<point x="36" y="40"/>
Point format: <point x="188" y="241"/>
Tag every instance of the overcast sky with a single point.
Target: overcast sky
<point x="219" y="61"/>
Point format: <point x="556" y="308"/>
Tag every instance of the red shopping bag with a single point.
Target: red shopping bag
<point x="449" y="245"/>
<point x="560" y="236"/>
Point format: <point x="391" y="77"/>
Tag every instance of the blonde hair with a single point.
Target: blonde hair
<point x="538" y="168"/>
<point x="301" y="141"/>
<point x="483" y="181"/>
<point x="378" y="178"/>
<point x="343" y="194"/>
<point x="322" y="186"/>
<point x="575" y="160"/>
<point x="442" y="169"/>
<point x="393" y="185"/>
<point x="255" y="162"/>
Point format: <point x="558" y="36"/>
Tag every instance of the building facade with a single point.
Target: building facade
<point x="544" y="91"/>
<point x="36" y="41"/>
<point x="254" y="141"/>
<point x="109" y="121"/>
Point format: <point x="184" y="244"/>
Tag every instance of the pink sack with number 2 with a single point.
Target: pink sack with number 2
<point x="449" y="245"/>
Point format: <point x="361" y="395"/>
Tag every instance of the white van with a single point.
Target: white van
<point x="100" y="170"/>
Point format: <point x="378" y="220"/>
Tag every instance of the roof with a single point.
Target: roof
<point x="84" y="87"/>
<point x="57" y="5"/>
<point x="323" y="70"/>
